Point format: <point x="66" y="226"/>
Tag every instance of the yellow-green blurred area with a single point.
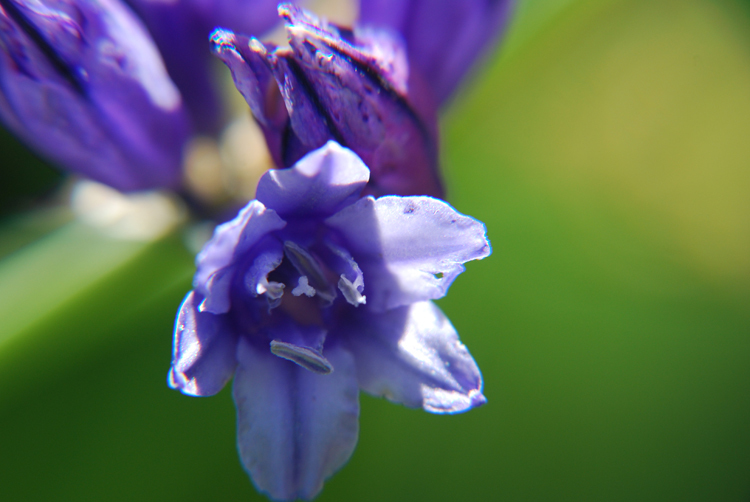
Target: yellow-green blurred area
<point x="607" y="149"/>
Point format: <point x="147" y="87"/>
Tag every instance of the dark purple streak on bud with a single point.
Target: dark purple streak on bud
<point x="82" y="83"/>
<point x="354" y="87"/>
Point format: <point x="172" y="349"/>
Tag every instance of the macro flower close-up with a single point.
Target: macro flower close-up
<point x="311" y="292"/>
<point x="231" y="235"/>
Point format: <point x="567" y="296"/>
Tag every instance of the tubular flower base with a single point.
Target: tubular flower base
<point x="313" y="292"/>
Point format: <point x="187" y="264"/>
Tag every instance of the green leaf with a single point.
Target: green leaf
<point x="61" y="295"/>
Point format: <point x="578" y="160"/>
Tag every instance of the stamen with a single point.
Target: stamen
<point x="273" y="291"/>
<point x="350" y="291"/>
<point x="309" y="359"/>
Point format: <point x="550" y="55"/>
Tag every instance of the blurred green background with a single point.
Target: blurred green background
<point x="606" y="146"/>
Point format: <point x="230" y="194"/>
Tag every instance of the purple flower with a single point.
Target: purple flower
<point x="443" y="39"/>
<point x="354" y="87"/>
<point x="313" y="292"/>
<point x="82" y="84"/>
<point x="181" y="30"/>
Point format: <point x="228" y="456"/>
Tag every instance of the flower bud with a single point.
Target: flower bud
<point x="352" y="86"/>
<point x="181" y="28"/>
<point x="83" y="85"/>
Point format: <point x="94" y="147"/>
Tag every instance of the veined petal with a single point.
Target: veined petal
<point x="412" y="355"/>
<point x="84" y="85"/>
<point x="364" y="91"/>
<point x="410" y="249"/>
<point x="230" y="239"/>
<point x="350" y="86"/>
<point x="295" y="427"/>
<point x="204" y="351"/>
<point x="180" y="29"/>
<point x="321" y="183"/>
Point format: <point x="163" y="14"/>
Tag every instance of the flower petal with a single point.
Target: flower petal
<point x="444" y="39"/>
<point x="360" y="83"/>
<point x="321" y="183"/>
<point x="410" y="249"/>
<point x="295" y="427"/>
<point x="350" y="86"/>
<point x="204" y="351"/>
<point x="413" y="356"/>
<point x="256" y="277"/>
<point x="85" y="87"/>
<point x="231" y="239"/>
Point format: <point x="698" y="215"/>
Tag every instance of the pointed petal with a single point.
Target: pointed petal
<point x="321" y="183"/>
<point x="273" y="92"/>
<point x="413" y="356"/>
<point x="231" y="239"/>
<point x="249" y="63"/>
<point x="409" y="248"/>
<point x="204" y="351"/>
<point x="295" y="428"/>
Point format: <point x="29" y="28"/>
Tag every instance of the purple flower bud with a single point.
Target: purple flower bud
<point x="313" y="291"/>
<point x="181" y="30"/>
<point x="83" y="85"/>
<point x="444" y="38"/>
<point x="354" y="87"/>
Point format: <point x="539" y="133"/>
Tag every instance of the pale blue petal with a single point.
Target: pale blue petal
<point x="295" y="428"/>
<point x="204" y="351"/>
<point x="412" y="356"/>
<point x="410" y="249"/>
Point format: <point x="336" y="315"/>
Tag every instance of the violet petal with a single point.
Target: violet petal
<point x="443" y="39"/>
<point x="333" y="85"/>
<point x="412" y="356"/>
<point x="204" y="351"/>
<point x="232" y="238"/>
<point x="321" y="183"/>
<point x="410" y="249"/>
<point x="295" y="428"/>
<point x="84" y="85"/>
